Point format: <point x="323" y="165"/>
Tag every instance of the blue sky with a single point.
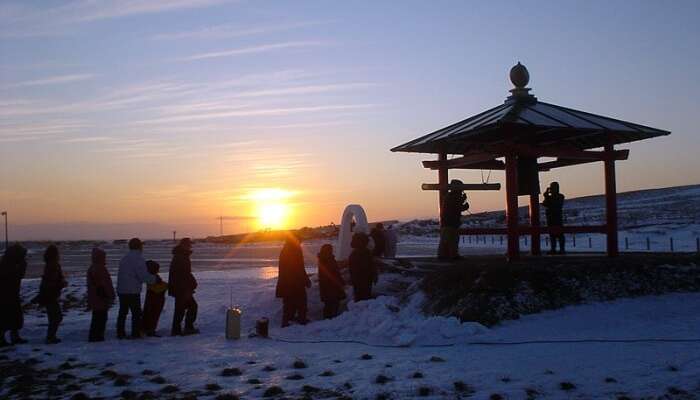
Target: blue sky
<point x="165" y="114"/>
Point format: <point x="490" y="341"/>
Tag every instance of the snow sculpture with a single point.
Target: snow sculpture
<point x="346" y="230"/>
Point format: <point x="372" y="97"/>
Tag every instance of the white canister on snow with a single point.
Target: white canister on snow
<point x="233" y="323"/>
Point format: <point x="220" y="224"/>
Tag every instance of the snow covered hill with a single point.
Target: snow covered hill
<point x="664" y="209"/>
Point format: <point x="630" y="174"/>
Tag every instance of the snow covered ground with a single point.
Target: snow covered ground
<point x="400" y="359"/>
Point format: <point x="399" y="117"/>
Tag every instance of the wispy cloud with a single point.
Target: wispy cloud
<point x="255" y="112"/>
<point x="20" y="20"/>
<point x="265" y="48"/>
<point x="308" y="89"/>
<point x="231" y="31"/>
<point x="52" y="80"/>
<point x="90" y="10"/>
<point x="87" y="139"/>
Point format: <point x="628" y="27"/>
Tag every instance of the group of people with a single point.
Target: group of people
<point x="134" y="272"/>
<point x="455" y="203"/>
<point x="293" y="280"/>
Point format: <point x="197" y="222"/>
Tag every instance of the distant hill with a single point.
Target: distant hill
<point x="671" y="207"/>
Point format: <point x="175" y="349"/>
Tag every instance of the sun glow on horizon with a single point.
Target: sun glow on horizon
<point x="272" y="208"/>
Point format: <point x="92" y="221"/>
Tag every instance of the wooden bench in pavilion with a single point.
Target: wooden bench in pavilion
<point x="512" y="137"/>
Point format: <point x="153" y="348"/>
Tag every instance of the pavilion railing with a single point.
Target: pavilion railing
<point x="580" y="238"/>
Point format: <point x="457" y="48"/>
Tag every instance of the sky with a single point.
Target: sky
<point x="137" y="118"/>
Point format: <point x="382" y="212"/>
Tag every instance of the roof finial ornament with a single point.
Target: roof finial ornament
<point x="520" y="78"/>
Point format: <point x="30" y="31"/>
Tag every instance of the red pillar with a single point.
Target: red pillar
<point x="535" y="223"/>
<point x="512" y="207"/>
<point x="610" y="202"/>
<point x="442" y="181"/>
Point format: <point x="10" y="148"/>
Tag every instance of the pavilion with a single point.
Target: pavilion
<point x="512" y="137"/>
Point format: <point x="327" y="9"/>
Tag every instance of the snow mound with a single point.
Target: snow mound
<point x="384" y="321"/>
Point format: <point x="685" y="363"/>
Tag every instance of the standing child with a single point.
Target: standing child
<point x="100" y="294"/>
<point x="52" y="282"/>
<point x="330" y="282"/>
<point x="155" y="300"/>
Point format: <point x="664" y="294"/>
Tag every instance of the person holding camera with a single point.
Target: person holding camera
<point x="454" y="204"/>
<point x="554" y="205"/>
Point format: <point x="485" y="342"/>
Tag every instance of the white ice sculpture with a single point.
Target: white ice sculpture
<point x="345" y="237"/>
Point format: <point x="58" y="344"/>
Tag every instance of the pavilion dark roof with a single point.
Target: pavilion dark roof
<point x="527" y="120"/>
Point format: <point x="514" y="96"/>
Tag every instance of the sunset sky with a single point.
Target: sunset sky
<point x="140" y="117"/>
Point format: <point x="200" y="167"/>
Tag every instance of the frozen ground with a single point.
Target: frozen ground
<point x="545" y="370"/>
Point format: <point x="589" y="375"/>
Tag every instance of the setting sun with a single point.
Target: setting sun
<point x="271" y="207"/>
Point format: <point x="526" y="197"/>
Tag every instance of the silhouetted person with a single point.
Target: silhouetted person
<point x="292" y="282"/>
<point x="377" y="235"/>
<point x="132" y="275"/>
<point x="554" y="205"/>
<point x="100" y="293"/>
<point x="453" y="205"/>
<point x="13" y="266"/>
<point x="155" y="300"/>
<point x="52" y="283"/>
<point x="181" y="285"/>
<point x="330" y="283"/>
<point x="363" y="271"/>
<point x="391" y="236"/>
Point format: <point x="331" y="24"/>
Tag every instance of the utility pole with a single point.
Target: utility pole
<point x="221" y="225"/>
<point x="7" y="242"/>
<point x="174" y="233"/>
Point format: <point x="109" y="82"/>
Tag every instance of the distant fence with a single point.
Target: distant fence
<point x="627" y="242"/>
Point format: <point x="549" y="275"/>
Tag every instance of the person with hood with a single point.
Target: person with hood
<point x="292" y="282"/>
<point x="379" y="240"/>
<point x="554" y="205"/>
<point x="100" y="294"/>
<point x="451" y="209"/>
<point x="131" y="277"/>
<point x="181" y="285"/>
<point x="363" y="271"/>
<point x="13" y="266"/>
<point x="330" y="282"/>
<point x="52" y="282"/>
<point x="155" y="300"/>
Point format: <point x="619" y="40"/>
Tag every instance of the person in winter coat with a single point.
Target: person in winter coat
<point x="13" y="266"/>
<point x="451" y="209"/>
<point x="377" y="235"/>
<point x="100" y="294"/>
<point x="52" y="282"/>
<point x="391" y="237"/>
<point x="554" y="205"/>
<point x="330" y="282"/>
<point x="155" y="300"/>
<point x="292" y="282"/>
<point x="181" y="285"/>
<point x="131" y="277"/>
<point x="363" y="271"/>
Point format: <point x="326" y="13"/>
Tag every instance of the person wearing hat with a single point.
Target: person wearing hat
<point x="13" y="266"/>
<point x="181" y="285"/>
<point x="453" y="205"/>
<point x="131" y="277"/>
<point x="554" y="211"/>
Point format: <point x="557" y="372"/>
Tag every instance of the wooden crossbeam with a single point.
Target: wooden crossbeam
<point x="549" y="165"/>
<point x="567" y="152"/>
<point x="460" y="161"/>
<point x="464" y="186"/>
<point x="529" y="230"/>
<point x="497" y="165"/>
